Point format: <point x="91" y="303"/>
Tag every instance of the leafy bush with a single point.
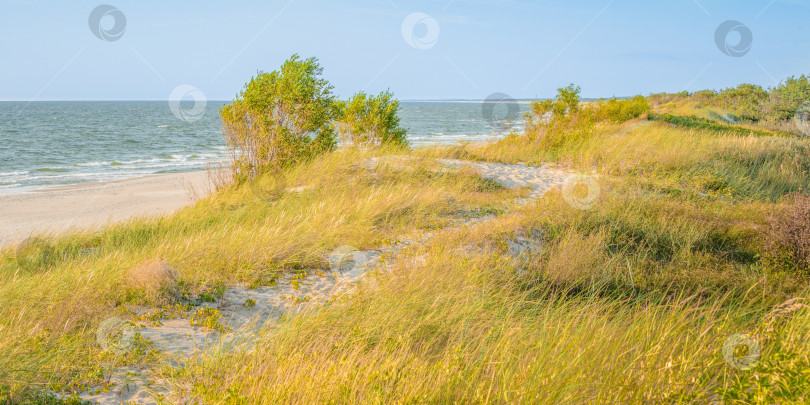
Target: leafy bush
<point x="662" y="98"/>
<point x="371" y="120"/>
<point x="280" y="118"/>
<point x="788" y="238"/>
<point x="747" y="100"/>
<point x="773" y="108"/>
<point x="553" y="122"/>
<point x="290" y="115"/>
<point x="621" y="110"/>
<point x="787" y="97"/>
<point x="704" y="96"/>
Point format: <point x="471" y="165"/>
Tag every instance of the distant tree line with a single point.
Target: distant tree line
<point x="773" y="107"/>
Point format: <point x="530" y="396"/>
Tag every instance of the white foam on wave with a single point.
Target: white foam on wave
<point x="93" y="164"/>
<point x="12" y="173"/>
<point x="14" y="181"/>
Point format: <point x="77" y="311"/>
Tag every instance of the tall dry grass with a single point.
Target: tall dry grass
<point x="631" y="301"/>
<point x="452" y="325"/>
<point x="54" y="293"/>
<point x="788" y="237"/>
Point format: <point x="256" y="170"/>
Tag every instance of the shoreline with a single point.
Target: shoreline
<point x="88" y="206"/>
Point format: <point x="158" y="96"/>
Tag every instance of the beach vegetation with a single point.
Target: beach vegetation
<point x="698" y="237"/>
<point x="772" y="109"/>
<point x="788" y="237"/>
<point x="290" y="115"/>
<point x="280" y="118"/>
<point x="565" y="118"/>
<point x="209" y="318"/>
<point x="787" y="97"/>
<point x="371" y="120"/>
<point x="154" y="281"/>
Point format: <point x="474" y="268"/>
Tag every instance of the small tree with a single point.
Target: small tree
<point x="280" y="118"/>
<point x="787" y="97"/>
<point x="563" y="119"/>
<point x="371" y="120"/>
<point x="746" y="100"/>
<point x="551" y="122"/>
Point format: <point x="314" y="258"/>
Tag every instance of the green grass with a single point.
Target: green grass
<point x="629" y="302"/>
<point x="710" y="124"/>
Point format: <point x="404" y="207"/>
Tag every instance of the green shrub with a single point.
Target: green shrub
<point x="746" y="100"/>
<point x="280" y="118"/>
<point x="787" y="97"/>
<point x="621" y="110"/>
<point x="662" y="98"/>
<point x="371" y="120"/>
<point x="704" y="96"/>
<point x="553" y="122"/>
<point x="772" y="108"/>
<point x="556" y="121"/>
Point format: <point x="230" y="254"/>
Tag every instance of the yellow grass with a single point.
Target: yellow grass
<point x="629" y="302"/>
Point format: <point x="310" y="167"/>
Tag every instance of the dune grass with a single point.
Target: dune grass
<point x="630" y="301"/>
<point x="55" y="291"/>
<point x="447" y="325"/>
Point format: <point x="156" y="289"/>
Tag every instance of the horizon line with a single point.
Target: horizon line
<point x="410" y="100"/>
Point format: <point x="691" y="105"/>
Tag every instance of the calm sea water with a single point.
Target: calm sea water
<point x="57" y="143"/>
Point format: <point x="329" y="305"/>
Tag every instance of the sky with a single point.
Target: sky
<point x="419" y="49"/>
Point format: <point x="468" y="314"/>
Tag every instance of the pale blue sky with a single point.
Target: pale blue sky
<point x="519" y="47"/>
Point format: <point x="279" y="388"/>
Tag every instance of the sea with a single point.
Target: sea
<point x="54" y="143"/>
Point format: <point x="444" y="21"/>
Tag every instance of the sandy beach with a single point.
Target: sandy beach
<point x="89" y="205"/>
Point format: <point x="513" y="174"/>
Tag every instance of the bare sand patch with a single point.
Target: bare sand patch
<point x="92" y="205"/>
